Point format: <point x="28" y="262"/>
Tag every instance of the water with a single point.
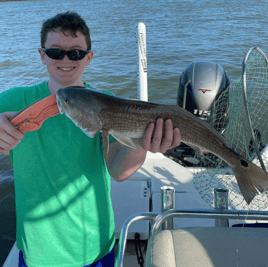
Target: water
<point x="178" y="32"/>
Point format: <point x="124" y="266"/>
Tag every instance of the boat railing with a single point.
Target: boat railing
<point x="158" y="220"/>
<point x="164" y="220"/>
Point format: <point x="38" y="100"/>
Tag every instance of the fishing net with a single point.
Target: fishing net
<point x="233" y="123"/>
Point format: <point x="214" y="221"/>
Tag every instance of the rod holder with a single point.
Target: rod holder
<point x="221" y="203"/>
<point x="168" y="203"/>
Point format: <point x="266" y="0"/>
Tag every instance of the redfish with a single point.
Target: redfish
<point x="94" y="111"/>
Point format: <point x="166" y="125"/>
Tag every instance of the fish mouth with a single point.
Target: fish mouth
<point x="63" y="109"/>
<point x="59" y="103"/>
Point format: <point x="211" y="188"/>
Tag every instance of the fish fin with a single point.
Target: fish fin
<point x="251" y="179"/>
<point x="105" y="135"/>
<point x="90" y="134"/>
<point x="126" y="141"/>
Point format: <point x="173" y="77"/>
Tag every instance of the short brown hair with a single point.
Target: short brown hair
<point x="68" y="21"/>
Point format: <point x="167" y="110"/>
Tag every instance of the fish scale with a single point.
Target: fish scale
<point x="139" y="121"/>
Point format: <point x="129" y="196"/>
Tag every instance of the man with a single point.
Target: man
<point x="62" y="184"/>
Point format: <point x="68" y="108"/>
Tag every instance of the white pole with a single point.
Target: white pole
<point x="142" y="90"/>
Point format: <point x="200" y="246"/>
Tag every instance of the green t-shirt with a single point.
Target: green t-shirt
<point x="64" y="210"/>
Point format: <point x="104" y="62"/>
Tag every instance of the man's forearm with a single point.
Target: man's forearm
<point x="123" y="161"/>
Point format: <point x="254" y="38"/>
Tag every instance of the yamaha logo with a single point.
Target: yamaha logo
<point x="203" y="90"/>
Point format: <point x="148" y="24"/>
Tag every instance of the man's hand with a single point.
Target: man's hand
<point x="10" y="137"/>
<point x="154" y="143"/>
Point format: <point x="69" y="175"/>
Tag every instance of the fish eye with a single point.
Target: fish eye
<point x="66" y="101"/>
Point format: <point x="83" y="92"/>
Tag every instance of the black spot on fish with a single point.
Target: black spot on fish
<point x="243" y="163"/>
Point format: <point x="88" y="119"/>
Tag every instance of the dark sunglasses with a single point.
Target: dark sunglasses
<point x="59" y="54"/>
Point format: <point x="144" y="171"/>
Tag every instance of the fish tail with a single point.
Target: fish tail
<point x="251" y="179"/>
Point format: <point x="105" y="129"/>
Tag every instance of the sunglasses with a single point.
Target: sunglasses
<point x="58" y="54"/>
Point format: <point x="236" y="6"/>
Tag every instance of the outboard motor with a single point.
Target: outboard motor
<point x="201" y="84"/>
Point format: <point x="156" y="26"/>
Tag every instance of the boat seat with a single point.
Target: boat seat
<point x="208" y="247"/>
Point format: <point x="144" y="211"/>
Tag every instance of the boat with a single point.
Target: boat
<point x="164" y="221"/>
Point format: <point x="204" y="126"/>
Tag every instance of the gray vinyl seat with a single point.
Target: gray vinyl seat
<point x="208" y="247"/>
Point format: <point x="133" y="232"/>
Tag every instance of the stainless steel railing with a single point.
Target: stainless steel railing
<point x="220" y="214"/>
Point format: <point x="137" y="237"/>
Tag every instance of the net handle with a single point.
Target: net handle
<point x="244" y="91"/>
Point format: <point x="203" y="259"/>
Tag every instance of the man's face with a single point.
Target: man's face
<point x="66" y="72"/>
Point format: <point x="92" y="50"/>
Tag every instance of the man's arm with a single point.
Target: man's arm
<point x="123" y="161"/>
